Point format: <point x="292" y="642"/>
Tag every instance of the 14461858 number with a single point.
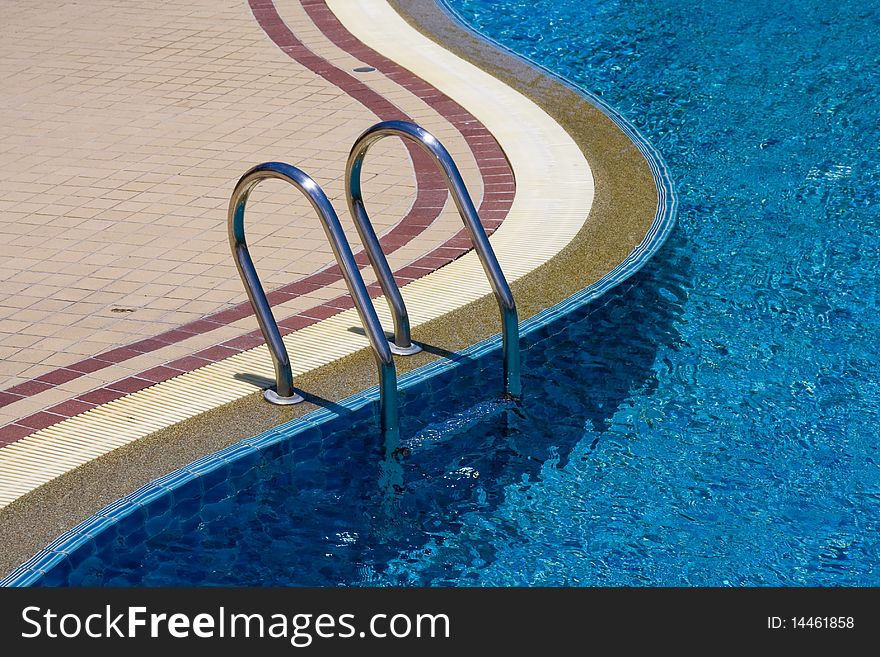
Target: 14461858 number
<point x="811" y="623"/>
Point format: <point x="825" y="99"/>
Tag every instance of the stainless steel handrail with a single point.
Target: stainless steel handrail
<point x="284" y="392"/>
<point x="439" y="154"/>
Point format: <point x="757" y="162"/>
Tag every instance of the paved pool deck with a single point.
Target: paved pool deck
<point x="128" y="347"/>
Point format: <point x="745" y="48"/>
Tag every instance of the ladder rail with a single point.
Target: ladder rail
<point x="285" y="392"/>
<point x="500" y="288"/>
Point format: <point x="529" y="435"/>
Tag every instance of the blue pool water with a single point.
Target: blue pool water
<point x="711" y="422"/>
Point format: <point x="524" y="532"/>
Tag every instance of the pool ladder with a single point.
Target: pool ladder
<point x="383" y="349"/>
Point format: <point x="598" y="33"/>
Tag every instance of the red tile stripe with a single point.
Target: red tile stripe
<point x="497" y="176"/>
<point x="499" y="190"/>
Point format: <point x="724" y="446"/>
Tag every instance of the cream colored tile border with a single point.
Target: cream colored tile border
<point x="554" y="193"/>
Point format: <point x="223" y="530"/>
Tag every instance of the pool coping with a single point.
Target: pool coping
<point x="660" y="226"/>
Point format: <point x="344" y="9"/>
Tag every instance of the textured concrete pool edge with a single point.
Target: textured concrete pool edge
<point x="628" y="189"/>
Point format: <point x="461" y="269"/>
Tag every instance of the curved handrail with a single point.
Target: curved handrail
<point x="284" y="392"/>
<point x="468" y="213"/>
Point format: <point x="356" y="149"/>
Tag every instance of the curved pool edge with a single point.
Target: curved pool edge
<point x="667" y="202"/>
<point x="660" y="227"/>
<point x="31" y="571"/>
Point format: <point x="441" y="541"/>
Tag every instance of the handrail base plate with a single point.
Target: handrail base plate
<point x="413" y="348"/>
<point x="274" y="398"/>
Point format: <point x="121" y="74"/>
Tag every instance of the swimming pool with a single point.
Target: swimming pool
<point x="710" y="423"/>
<point x="758" y="424"/>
